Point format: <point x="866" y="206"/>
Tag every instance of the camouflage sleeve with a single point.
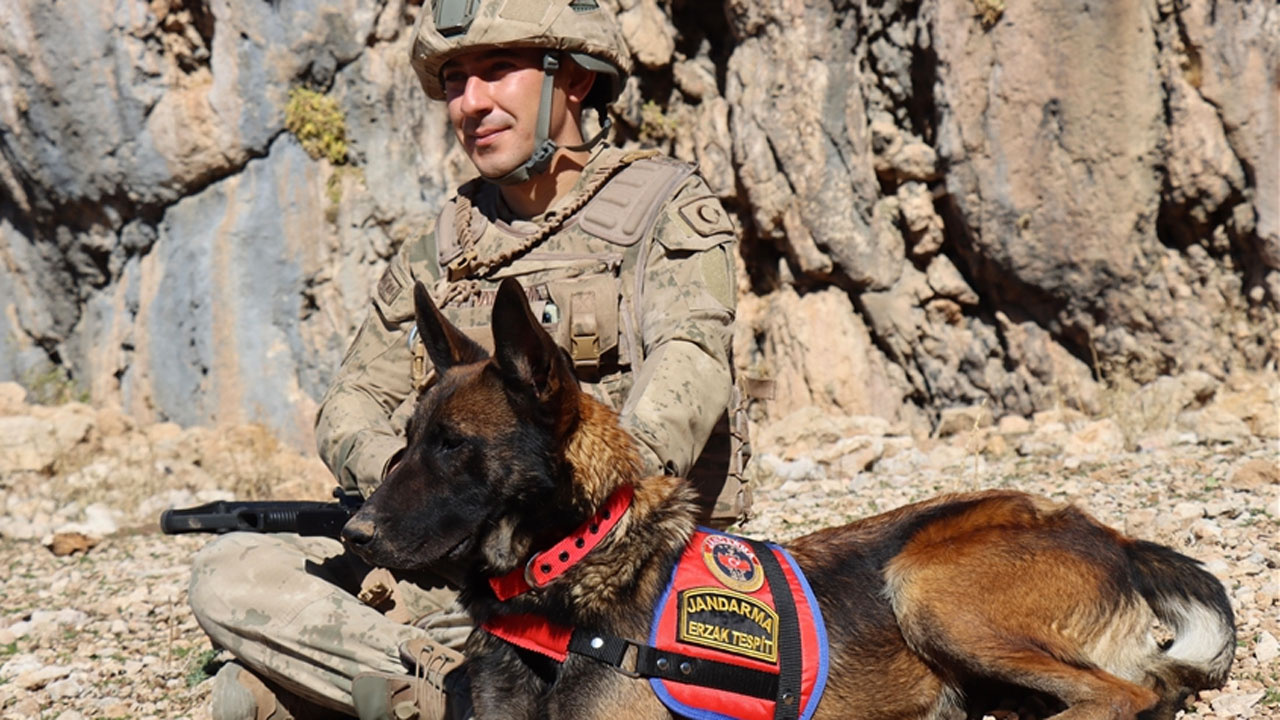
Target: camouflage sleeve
<point x="360" y="424"/>
<point x="687" y="295"/>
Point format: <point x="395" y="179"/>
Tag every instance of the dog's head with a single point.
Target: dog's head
<point x="485" y="455"/>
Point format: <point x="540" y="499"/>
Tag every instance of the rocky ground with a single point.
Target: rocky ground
<point x="94" y="621"/>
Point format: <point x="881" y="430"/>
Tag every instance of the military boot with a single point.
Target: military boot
<point x="239" y="695"/>
<point x="436" y="689"/>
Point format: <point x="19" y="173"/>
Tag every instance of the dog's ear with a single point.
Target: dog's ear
<point x="446" y="345"/>
<point x="526" y="354"/>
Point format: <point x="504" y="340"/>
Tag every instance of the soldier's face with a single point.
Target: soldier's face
<point x="493" y="99"/>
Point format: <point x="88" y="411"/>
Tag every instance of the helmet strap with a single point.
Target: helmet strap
<point x="544" y="148"/>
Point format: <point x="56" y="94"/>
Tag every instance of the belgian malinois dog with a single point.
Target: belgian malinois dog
<point x="932" y="610"/>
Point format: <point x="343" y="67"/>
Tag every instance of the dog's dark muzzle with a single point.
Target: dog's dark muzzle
<point x="359" y="532"/>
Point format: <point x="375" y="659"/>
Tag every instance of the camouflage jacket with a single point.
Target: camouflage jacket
<point x="631" y="271"/>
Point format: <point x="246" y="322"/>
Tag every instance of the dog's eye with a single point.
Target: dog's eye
<point x="448" y="441"/>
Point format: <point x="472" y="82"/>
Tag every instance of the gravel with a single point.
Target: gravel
<point x="105" y="632"/>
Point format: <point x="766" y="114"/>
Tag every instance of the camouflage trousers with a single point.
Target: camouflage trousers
<point x="289" y="609"/>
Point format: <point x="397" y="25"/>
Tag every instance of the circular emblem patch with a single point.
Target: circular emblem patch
<point x="732" y="562"/>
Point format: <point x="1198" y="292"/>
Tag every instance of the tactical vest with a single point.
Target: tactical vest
<point x="582" y="271"/>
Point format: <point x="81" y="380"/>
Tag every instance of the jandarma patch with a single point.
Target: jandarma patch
<point x="733" y="563"/>
<point x="728" y="621"/>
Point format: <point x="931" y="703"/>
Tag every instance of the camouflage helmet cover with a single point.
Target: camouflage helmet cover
<point x="581" y="28"/>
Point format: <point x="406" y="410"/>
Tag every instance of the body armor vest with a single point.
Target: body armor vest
<point x="582" y="267"/>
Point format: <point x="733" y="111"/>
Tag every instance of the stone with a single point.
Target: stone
<point x="38" y="678"/>
<point x="1206" y="530"/>
<point x="20" y="664"/>
<point x="12" y="398"/>
<point x="70" y="543"/>
<point x="1257" y="406"/>
<point x="1043" y="442"/>
<point x="1155" y="406"/>
<point x="25" y="707"/>
<point x="1255" y="474"/>
<point x="947" y="281"/>
<point x="1215" y="425"/>
<point x="696" y="77"/>
<point x="1222" y="508"/>
<point x="1059" y="419"/>
<point x="18" y="528"/>
<point x="1101" y="437"/>
<point x="1266" y="649"/>
<point x="1236" y="704"/>
<point x="99" y="522"/>
<point x="802" y="469"/>
<point x="111" y="421"/>
<point x="1013" y="425"/>
<point x="63" y="690"/>
<point x="28" y="443"/>
<point x="1185" y="510"/>
<point x="648" y="33"/>
<point x="820" y="355"/>
<point x="967" y="419"/>
<point x="924" y="226"/>
<point x="996" y="446"/>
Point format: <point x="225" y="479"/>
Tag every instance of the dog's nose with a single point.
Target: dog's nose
<point x="358" y="531"/>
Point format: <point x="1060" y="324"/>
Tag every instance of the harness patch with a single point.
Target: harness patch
<point x="723" y="605"/>
<point x="729" y="621"/>
<point x="732" y="562"/>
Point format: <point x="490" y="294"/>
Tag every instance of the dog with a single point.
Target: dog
<point x="934" y="610"/>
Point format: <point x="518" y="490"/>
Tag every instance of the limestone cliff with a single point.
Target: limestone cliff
<point x="942" y="202"/>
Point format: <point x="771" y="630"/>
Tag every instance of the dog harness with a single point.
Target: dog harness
<point x="736" y="635"/>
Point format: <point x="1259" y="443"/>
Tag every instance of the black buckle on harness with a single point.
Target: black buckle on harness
<point x="610" y="650"/>
<point x="649" y="662"/>
<point x="783" y="687"/>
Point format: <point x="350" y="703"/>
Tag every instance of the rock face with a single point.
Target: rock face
<point x="942" y="204"/>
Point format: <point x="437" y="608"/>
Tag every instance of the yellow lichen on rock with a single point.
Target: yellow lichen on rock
<point x="318" y="123"/>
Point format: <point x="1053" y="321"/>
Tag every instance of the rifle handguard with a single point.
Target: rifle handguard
<point x="303" y="518"/>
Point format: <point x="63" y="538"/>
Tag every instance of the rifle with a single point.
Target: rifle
<point x="311" y="518"/>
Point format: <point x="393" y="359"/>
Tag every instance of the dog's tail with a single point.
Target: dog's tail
<point x="1193" y="603"/>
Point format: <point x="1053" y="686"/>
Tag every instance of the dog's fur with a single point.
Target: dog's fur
<point x="933" y="610"/>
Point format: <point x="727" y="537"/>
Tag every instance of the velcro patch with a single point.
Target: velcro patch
<point x="706" y="216"/>
<point x="389" y="287"/>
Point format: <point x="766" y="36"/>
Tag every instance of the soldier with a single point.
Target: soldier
<point x="627" y="257"/>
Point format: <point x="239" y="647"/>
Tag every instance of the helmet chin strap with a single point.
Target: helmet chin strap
<point x="544" y="148"/>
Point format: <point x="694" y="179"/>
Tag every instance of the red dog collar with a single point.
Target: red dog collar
<point x="550" y="564"/>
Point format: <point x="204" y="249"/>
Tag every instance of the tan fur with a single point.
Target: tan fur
<point x="603" y="456"/>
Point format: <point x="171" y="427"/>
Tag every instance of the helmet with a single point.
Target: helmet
<point x="581" y="29"/>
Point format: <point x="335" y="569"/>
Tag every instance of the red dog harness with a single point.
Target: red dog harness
<point x="723" y="645"/>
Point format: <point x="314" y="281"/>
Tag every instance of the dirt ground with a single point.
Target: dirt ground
<point x="105" y="632"/>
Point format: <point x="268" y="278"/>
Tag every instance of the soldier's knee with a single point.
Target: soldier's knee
<point x="220" y="573"/>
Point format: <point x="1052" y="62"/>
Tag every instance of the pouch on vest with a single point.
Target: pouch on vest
<point x="474" y="317"/>
<point x="588" y="308"/>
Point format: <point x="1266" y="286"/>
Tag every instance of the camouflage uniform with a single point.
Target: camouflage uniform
<point x="638" y="286"/>
<point x="631" y="271"/>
